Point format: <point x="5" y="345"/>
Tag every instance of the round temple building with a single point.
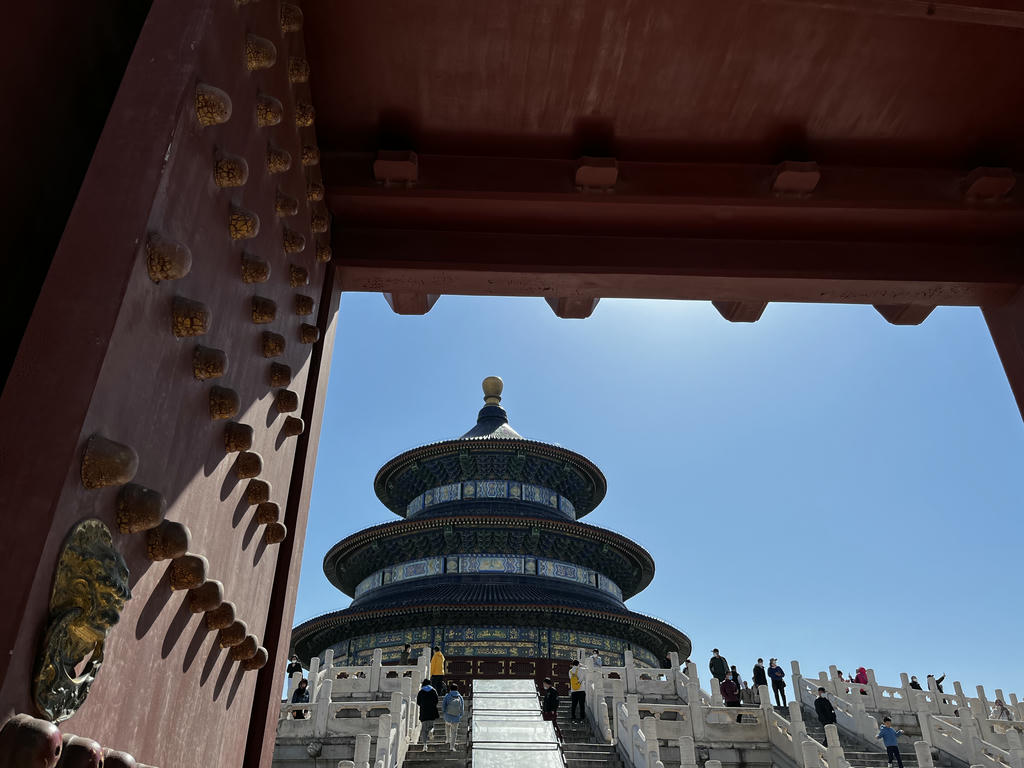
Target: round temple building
<point x="490" y="562"/>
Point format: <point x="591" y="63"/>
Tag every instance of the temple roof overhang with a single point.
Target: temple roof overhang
<point x="490" y="458"/>
<point x="623" y="561"/>
<point x="311" y="637"/>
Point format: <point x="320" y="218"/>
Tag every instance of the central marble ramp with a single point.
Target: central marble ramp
<point x="508" y="731"/>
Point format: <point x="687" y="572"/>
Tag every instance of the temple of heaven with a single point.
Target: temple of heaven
<point x="489" y="562"/>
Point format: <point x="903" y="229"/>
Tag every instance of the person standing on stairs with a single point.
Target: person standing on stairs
<point x="914" y="684"/>
<point x="577" y="695"/>
<point x="549" y="706"/>
<point x="595" y="659"/>
<point x="426" y="700"/>
<point x="823" y="707"/>
<point x="718" y="665"/>
<point x="890" y="737"/>
<point x="437" y="669"/>
<point x="731" y="693"/>
<point x="759" y="677"/>
<point x="778" y="676"/>
<point x="452" y="708"/>
<point x="404" y="660"/>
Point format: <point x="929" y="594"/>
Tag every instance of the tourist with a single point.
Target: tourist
<point x="778" y="677"/>
<point x="718" y="665"/>
<point x="595" y="659"/>
<point x="452" y="709"/>
<point x="427" y="700"/>
<point x="300" y="696"/>
<point x="405" y="655"/>
<point x="826" y="712"/>
<point x="1000" y="711"/>
<point x="437" y="669"/>
<point x="577" y="696"/>
<point x="862" y="678"/>
<point x="937" y="681"/>
<point x="914" y="684"/>
<point x="731" y="693"/>
<point x="294" y="665"/>
<point x="549" y="706"/>
<point x="759" y="676"/>
<point x="736" y="675"/>
<point x="890" y="738"/>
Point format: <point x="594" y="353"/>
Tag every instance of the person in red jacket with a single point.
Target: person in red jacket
<point x="731" y="693"/>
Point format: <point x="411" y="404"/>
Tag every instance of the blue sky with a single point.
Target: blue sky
<point x="819" y="485"/>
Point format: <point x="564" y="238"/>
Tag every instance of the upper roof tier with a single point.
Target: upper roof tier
<point x="491" y="451"/>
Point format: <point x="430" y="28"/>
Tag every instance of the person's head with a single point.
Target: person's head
<point x="575" y="663"/>
<point x="714" y="651"/>
<point x="303" y="683"/>
<point x="914" y="678"/>
<point x="547" y="683"/>
<point x="733" y="668"/>
<point x="453" y="687"/>
<point x="886" y="721"/>
<point x="760" y="661"/>
<point x="771" y="662"/>
<point x="999" y="703"/>
<point x="407" y="646"/>
<point x="426" y="683"/>
<point x="821" y="691"/>
<point x="728" y="675"/>
<point x="295" y="657"/>
<point x="437" y="649"/>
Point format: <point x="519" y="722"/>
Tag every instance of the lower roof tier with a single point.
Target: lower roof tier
<point x="355" y="558"/>
<point x="485" y="604"/>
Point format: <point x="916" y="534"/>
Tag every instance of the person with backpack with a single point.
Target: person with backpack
<point x="549" y="706"/>
<point x="578" y="696"/>
<point x="426" y="700"/>
<point x="452" y="709"/>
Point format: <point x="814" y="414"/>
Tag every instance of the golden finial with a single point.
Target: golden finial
<point x="492" y="390"/>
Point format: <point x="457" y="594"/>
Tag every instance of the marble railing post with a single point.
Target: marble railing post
<point x="873" y="694"/>
<point x="866" y="724"/>
<point x="314" y="677"/>
<point x="384" y="740"/>
<point x="833" y="677"/>
<point x="716" y="693"/>
<point x="362" y="751"/>
<point x="1015" y="748"/>
<point x="691" y="672"/>
<point x="810" y="754"/>
<point x="696" y="709"/>
<point x="924" y="754"/>
<point x="687" y="752"/>
<point x="630" y="669"/>
<point x="649" y="726"/>
<point x="907" y="690"/>
<point x="961" y="697"/>
<point x="713" y="764"/>
<point x="797" y="729"/>
<point x="322" y="710"/>
<point x="346" y="764"/>
<point x="1016" y="706"/>
<point x="375" y="667"/>
<point x="919" y="704"/>
<point x="410" y="702"/>
<point x="985" y="709"/>
<point x="795" y="678"/>
<point x="328" y="660"/>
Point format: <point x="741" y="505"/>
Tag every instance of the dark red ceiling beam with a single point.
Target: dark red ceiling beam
<point x="553" y="266"/>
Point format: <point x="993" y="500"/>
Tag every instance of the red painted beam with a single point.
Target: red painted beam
<point x="551" y="266"/>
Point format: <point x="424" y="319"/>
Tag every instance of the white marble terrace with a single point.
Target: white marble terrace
<point x="647" y="713"/>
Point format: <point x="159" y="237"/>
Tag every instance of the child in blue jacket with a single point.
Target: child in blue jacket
<point x="890" y="738"/>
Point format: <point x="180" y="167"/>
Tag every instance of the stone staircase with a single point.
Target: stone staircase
<point x="435" y="752"/>
<point x="580" y="747"/>
<point x="862" y="755"/>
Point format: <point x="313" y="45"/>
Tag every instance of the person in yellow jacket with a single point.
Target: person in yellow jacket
<point x="577" y="695"/>
<point x="437" y="669"/>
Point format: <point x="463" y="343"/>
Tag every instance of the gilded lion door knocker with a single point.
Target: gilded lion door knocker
<point x="89" y="592"/>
